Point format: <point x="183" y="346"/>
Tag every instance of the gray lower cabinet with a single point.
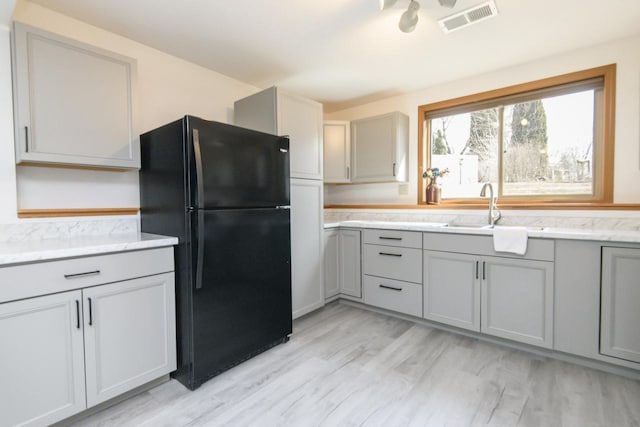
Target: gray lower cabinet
<point x="403" y="297"/>
<point x="74" y="103"/>
<point x="393" y="262"/>
<point x="392" y="270"/>
<point x="350" y="272"/>
<point x="105" y="325"/>
<point x="517" y="300"/>
<point x="41" y="360"/>
<point x="342" y="270"/>
<point x="452" y="289"/>
<point x="331" y="262"/>
<point x="466" y="285"/>
<point x="620" y="304"/>
<point x="129" y="330"/>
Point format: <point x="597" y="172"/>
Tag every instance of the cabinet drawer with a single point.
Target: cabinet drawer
<point x="393" y="295"/>
<point x="537" y="249"/>
<point x="405" y="239"/>
<point x="29" y="280"/>
<point x="394" y="263"/>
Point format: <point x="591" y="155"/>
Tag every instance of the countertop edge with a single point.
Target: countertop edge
<point x="620" y="236"/>
<point x="28" y="251"/>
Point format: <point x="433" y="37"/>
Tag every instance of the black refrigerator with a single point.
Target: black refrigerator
<point x="224" y="192"/>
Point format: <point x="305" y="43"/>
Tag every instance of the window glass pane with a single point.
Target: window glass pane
<point x="467" y="145"/>
<point x="548" y="146"/>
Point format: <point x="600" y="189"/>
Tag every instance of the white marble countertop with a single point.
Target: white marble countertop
<point x="624" y="236"/>
<point x="49" y="249"/>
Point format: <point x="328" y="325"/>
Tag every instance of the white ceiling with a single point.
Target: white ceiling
<point x="347" y="52"/>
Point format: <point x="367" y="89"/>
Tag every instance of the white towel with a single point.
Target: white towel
<point x="510" y="239"/>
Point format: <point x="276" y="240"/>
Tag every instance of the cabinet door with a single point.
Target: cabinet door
<point x="41" y="360"/>
<point x="331" y="262"/>
<point x="74" y="104"/>
<point x="379" y="148"/>
<point x="620" y="315"/>
<point x="337" y="152"/>
<point x="301" y="119"/>
<point x="517" y="300"/>
<point x="307" y="290"/>
<point x="452" y="289"/>
<point x="350" y="271"/>
<point x="130" y="334"/>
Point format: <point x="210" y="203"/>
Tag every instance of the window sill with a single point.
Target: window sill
<point x="504" y="206"/>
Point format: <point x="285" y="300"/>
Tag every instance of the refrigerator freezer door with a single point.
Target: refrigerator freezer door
<point x="243" y="304"/>
<point x="232" y="167"/>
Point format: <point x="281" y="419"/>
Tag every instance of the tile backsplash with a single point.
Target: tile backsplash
<point x="67" y="228"/>
<point x="598" y="220"/>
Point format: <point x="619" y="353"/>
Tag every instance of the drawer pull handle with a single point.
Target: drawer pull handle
<point x="389" y="254"/>
<point x="90" y="313"/>
<point x="77" y="275"/>
<point x="390" y="287"/>
<point x="389" y="238"/>
<point x="77" y="314"/>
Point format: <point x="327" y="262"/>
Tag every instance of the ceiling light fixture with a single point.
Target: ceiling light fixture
<point x="386" y="4"/>
<point x="447" y="3"/>
<point x="409" y="18"/>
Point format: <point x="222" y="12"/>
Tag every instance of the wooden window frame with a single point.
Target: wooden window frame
<point x="603" y="154"/>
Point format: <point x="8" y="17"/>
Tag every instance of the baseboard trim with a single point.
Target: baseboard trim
<point x="118" y="399"/>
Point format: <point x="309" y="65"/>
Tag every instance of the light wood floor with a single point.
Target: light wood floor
<point x="348" y="367"/>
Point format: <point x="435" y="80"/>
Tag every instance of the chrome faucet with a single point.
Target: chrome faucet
<point x="494" y="212"/>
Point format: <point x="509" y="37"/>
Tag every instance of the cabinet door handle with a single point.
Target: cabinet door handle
<point x="477" y="263"/>
<point x="348" y="174"/>
<point x="77" y="314"/>
<point x="389" y="254"/>
<point x="90" y="313"/>
<point x="484" y="270"/>
<point x="26" y="139"/>
<point x="77" y="275"/>
<point x="394" y="169"/>
<point x="390" y="287"/>
<point x="389" y="238"/>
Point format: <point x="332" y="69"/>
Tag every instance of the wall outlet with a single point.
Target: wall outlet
<point x="403" y="189"/>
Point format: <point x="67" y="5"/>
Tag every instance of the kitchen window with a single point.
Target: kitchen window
<point x="548" y="141"/>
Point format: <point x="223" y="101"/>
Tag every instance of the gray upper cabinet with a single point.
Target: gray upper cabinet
<point x="73" y="103"/>
<point x="337" y="152"/>
<point x="620" y="314"/>
<point x="279" y="112"/>
<point x="380" y="148"/>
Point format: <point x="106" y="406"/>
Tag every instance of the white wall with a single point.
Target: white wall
<point x="7" y="167"/>
<point x="627" y="147"/>
<point x="168" y="88"/>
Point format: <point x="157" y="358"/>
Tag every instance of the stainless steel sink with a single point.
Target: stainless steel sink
<point x="477" y="226"/>
<point x="488" y="227"/>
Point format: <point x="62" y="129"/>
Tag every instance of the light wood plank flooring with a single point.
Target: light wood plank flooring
<point x="349" y="367"/>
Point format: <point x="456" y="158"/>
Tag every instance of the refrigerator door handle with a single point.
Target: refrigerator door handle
<point x="200" y="256"/>
<point x="199" y="177"/>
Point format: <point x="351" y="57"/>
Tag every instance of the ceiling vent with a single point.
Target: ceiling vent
<point x="467" y="17"/>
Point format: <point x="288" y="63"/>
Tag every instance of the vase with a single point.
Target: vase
<point x="433" y="192"/>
